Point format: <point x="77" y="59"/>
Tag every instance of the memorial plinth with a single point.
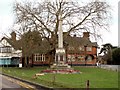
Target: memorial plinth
<point x="60" y="65"/>
<point x="60" y="55"/>
<point x="60" y="59"/>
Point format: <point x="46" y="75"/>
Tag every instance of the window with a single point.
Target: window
<point x="39" y="57"/>
<point x="81" y="48"/>
<point x="5" y="61"/>
<point x="89" y="58"/>
<point x="88" y="48"/>
<point x="5" y="50"/>
<point x="80" y="57"/>
<point x="71" y="58"/>
<point x="71" y="48"/>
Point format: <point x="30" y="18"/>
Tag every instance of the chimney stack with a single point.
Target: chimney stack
<point x="13" y="36"/>
<point x="86" y="34"/>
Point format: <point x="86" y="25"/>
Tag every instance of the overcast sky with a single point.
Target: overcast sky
<point x="7" y="18"/>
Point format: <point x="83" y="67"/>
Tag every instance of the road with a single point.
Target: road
<point x="111" y="67"/>
<point x="9" y="84"/>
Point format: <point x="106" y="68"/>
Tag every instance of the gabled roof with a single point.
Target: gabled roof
<point x="79" y="41"/>
<point x="44" y="47"/>
<point x="16" y="45"/>
<point x="6" y="43"/>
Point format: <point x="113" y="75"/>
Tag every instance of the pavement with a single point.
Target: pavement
<point x="13" y="84"/>
<point x="24" y="84"/>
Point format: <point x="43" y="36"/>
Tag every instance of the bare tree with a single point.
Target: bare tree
<point x="77" y="17"/>
<point x="30" y="43"/>
<point x="44" y="16"/>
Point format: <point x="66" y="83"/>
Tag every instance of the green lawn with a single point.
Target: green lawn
<point x="99" y="78"/>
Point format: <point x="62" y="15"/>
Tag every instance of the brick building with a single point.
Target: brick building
<point x="79" y="51"/>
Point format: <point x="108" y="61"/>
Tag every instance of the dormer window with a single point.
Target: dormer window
<point x="89" y="49"/>
<point x="81" y="48"/>
<point x="71" y="48"/>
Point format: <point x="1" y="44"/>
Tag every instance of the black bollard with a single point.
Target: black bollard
<point x="87" y="85"/>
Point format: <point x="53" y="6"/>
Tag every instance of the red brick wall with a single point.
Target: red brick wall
<point x="85" y="53"/>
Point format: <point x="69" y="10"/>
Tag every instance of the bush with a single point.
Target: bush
<point x="116" y="56"/>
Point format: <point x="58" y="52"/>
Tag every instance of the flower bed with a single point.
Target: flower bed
<point x="63" y="71"/>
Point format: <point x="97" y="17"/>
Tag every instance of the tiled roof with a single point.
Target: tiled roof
<point x="79" y="41"/>
<point x="16" y="45"/>
<point x="45" y="45"/>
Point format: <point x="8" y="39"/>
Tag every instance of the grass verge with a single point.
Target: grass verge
<point x="99" y="78"/>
